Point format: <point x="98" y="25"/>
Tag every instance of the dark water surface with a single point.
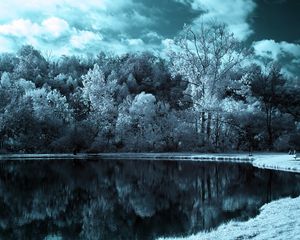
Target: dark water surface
<point x="130" y="199"/>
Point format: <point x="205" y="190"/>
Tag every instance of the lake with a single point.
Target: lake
<point x="131" y="199"/>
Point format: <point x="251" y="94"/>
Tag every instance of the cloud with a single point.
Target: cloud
<point x="20" y="27"/>
<point x="235" y="14"/>
<point x="275" y="50"/>
<point x="79" y="27"/>
<point x="26" y="28"/>
<point x="12" y="8"/>
<point x="55" y="26"/>
<point x="287" y="54"/>
<point x="70" y="26"/>
<point x="83" y="38"/>
<point x="135" y="42"/>
<point x="5" y="45"/>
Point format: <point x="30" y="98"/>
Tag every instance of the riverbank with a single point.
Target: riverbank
<point x="275" y="161"/>
<point x="277" y="220"/>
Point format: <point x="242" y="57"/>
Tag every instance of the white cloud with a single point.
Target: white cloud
<point x="167" y="42"/>
<point x="135" y="41"/>
<point x="45" y="35"/>
<point x="55" y="26"/>
<point x="5" y="45"/>
<point x="20" y="27"/>
<point x="12" y="8"/>
<point x="83" y="38"/>
<point x="153" y="35"/>
<point x="106" y="12"/>
<point x="27" y="29"/>
<point x="234" y="13"/>
<point x="274" y="50"/>
<point x="167" y="46"/>
<point x="72" y="26"/>
<point x="287" y="54"/>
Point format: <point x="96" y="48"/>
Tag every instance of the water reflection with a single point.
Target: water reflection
<point x="110" y="199"/>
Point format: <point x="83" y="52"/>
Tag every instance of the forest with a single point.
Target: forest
<point x="208" y="94"/>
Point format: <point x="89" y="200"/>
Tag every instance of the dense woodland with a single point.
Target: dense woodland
<point x="209" y="93"/>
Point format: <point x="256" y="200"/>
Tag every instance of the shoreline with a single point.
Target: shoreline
<point x="272" y="161"/>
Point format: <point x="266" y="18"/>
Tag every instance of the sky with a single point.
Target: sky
<point x="66" y="27"/>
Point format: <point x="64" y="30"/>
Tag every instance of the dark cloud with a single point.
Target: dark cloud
<point x="274" y="1"/>
<point x="170" y="16"/>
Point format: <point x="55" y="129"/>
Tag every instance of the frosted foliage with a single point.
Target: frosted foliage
<point x="25" y="85"/>
<point x="15" y="87"/>
<point x="97" y="90"/>
<point x="137" y="120"/>
<point x="123" y="122"/>
<point x="6" y="90"/>
<point x="232" y="106"/>
<point x="202" y="98"/>
<point x="5" y="80"/>
<point x="99" y="95"/>
<point x="49" y="104"/>
<point x="11" y="92"/>
<point x="205" y="57"/>
<point x="143" y="105"/>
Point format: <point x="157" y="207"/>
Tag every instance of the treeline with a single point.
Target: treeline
<point x="207" y="95"/>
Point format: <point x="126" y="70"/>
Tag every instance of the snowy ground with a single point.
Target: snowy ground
<point x="276" y="161"/>
<point x="278" y="220"/>
<point x="283" y="162"/>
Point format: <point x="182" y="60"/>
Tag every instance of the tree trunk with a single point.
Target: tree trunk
<point x="217" y="130"/>
<point x="269" y="126"/>
<point x="208" y="127"/>
<point x="203" y="122"/>
<point x="202" y="127"/>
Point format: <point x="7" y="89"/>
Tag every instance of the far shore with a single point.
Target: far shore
<point x="265" y="160"/>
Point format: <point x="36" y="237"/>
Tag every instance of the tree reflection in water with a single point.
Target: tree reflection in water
<point x="131" y="199"/>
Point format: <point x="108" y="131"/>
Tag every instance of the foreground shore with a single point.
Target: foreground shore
<point x="277" y="220"/>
